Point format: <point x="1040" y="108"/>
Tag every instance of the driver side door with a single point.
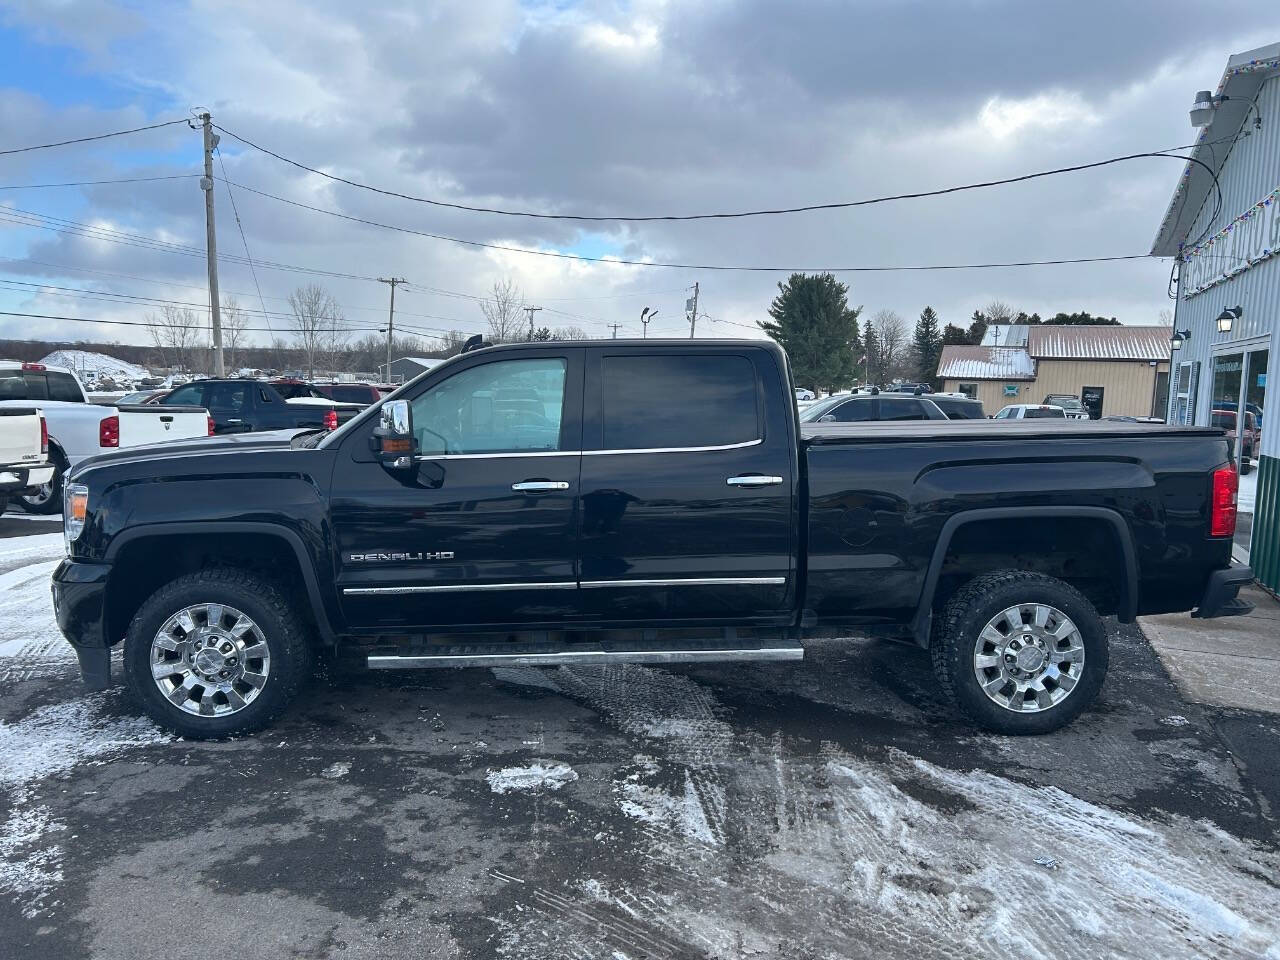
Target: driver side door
<point x="482" y="530"/>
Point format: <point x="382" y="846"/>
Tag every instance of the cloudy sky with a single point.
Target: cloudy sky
<point x="635" y="109"/>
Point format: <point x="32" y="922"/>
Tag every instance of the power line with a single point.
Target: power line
<point x="683" y="266"/>
<point x="96" y="183"/>
<point x="100" y="136"/>
<point x="776" y="211"/>
<point x="152" y="323"/>
<point x="239" y="226"/>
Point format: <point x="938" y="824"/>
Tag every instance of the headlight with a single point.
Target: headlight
<point x="75" y="507"/>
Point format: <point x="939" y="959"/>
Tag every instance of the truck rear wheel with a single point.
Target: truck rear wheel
<point x="1020" y="652"/>
<point x="47" y="497"/>
<point x="216" y="653"/>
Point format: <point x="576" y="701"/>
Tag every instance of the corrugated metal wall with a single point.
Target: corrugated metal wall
<point x="1128" y="385"/>
<point x="1251" y="171"/>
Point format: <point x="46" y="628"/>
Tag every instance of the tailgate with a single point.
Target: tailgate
<point x="153" y="423"/>
<point x="20" y="436"/>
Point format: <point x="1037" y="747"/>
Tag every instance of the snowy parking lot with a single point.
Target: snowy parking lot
<point x="833" y="808"/>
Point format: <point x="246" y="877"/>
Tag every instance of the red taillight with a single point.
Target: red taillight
<point x="109" y="432"/>
<point x="1222" y="509"/>
<point x="210" y="419"/>
<point x="44" y="436"/>
<point x="33" y="366"/>
<point x="331" y="419"/>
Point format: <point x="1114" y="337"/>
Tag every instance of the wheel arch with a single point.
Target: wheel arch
<point x="1127" y="606"/>
<point x="145" y="542"/>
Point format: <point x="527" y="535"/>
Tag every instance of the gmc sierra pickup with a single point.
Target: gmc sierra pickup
<point x="642" y="501"/>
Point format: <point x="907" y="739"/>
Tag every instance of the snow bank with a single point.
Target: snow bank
<point x="90" y="365"/>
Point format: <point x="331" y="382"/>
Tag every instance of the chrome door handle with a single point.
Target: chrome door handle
<point x="540" y="485"/>
<point x="753" y="480"/>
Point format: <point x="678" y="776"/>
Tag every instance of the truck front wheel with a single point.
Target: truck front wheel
<point x="216" y="653"/>
<point x="1020" y="652"/>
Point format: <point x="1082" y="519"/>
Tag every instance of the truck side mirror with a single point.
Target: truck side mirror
<point x="392" y="439"/>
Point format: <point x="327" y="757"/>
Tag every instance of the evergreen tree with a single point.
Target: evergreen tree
<point x="1082" y="317"/>
<point x="874" y="365"/>
<point x="978" y="328"/>
<point x="927" y="346"/>
<point x="813" y="322"/>
<point x="953" y="335"/>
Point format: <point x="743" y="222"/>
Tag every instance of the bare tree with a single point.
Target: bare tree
<point x="450" y="343"/>
<point x="503" y="312"/>
<point x="316" y="319"/>
<point x="234" y="322"/>
<point x="997" y="311"/>
<point x="176" y="332"/>
<point x="1165" y="317"/>
<point x="570" y="333"/>
<point x="891" y="337"/>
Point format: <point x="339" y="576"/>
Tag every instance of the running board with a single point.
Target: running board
<point x="456" y="657"/>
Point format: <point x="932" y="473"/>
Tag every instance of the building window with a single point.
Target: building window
<point x="970" y="390"/>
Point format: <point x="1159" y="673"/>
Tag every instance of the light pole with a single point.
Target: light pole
<point x="645" y="317"/>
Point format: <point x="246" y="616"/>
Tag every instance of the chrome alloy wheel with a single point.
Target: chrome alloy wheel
<point x="210" y="660"/>
<point x="1029" y="657"/>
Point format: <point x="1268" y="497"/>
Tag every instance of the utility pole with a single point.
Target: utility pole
<point x="693" y="311"/>
<point x="531" y="311"/>
<point x="211" y="243"/>
<point x="391" y="316"/>
<point x="615" y="327"/>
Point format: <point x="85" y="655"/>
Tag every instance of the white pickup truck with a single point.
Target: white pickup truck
<point x="24" y="453"/>
<point x="78" y="429"/>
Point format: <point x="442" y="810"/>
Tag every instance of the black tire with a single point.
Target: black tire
<point x="279" y="625"/>
<point x="36" y="503"/>
<point x="969" y="611"/>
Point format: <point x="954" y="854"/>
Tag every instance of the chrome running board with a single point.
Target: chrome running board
<point x="472" y="657"/>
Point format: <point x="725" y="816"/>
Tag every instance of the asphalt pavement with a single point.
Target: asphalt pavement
<point x="833" y="808"/>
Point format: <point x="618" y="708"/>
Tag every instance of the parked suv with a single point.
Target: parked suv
<point x="1072" y="407"/>
<point x="861" y="407"/>
<point x="957" y="406"/>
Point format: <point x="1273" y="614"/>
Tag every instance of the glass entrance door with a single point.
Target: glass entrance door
<point x="1255" y="400"/>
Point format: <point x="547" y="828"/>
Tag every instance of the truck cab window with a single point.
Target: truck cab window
<point x="504" y="407"/>
<point x="654" y="402"/>
<point x="63" y="386"/>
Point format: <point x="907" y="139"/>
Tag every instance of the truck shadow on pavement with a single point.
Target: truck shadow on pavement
<point x="832" y="808"/>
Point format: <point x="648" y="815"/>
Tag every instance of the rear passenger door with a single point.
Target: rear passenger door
<point x="688" y="487"/>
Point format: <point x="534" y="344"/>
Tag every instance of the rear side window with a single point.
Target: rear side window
<point x="679" y="401"/>
<point x="1036" y="413"/>
<point x="350" y="394"/>
<point x="63" y="386"/>
<point x="960" y="409"/>
<point x="12" y="385"/>
<point x="892" y="408"/>
<point x="228" y="396"/>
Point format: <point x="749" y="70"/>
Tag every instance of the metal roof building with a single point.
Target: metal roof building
<point x="1222" y="229"/>
<point x="1110" y="369"/>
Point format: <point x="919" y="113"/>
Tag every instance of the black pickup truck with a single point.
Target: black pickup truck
<point x="638" y="501"/>
<point x="247" y="406"/>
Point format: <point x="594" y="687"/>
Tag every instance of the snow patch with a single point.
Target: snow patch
<point x="336" y="771"/>
<point x="535" y="776"/>
<point x="56" y="738"/>
<point x="30" y="865"/>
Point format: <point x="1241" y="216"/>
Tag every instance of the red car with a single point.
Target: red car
<point x="365" y="393"/>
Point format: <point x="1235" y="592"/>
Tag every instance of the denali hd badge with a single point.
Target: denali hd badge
<point x="400" y="557"/>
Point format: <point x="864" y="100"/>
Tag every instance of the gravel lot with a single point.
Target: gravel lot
<point x="828" y="809"/>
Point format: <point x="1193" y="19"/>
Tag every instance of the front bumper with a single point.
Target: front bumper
<point x="19" y="478"/>
<point x="1219" y="599"/>
<point x="79" y="604"/>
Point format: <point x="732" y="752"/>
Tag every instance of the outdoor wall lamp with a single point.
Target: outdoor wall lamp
<point x="1206" y="103"/>
<point x="1179" y="337"/>
<point x="1227" y="317"/>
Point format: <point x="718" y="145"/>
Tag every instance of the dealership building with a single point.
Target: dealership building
<point x="1222" y="227"/>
